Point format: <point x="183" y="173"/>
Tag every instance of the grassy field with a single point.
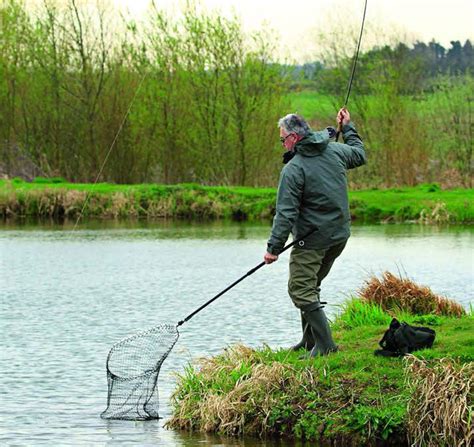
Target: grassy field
<point x="60" y="200"/>
<point x="313" y="105"/>
<point x="321" y="106"/>
<point x="350" y="397"/>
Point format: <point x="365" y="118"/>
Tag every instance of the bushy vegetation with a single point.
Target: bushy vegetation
<point x="350" y="397"/>
<point x="197" y="100"/>
<point x="59" y="200"/>
<point x="410" y="139"/>
<point x="193" y="97"/>
<point x="413" y="105"/>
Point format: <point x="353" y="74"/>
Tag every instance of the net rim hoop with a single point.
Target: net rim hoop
<point x="148" y="372"/>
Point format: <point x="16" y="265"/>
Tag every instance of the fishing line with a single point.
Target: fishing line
<point x="354" y="64"/>
<point x="86" y="200"/>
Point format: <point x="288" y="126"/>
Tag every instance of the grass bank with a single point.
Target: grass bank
<point x="61" y="200"/>
<point x="347" y="398"/>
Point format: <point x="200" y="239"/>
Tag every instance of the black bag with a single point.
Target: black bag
<point x="401" y="338"/>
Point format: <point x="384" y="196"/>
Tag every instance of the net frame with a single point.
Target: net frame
<point x="132" y="376"/>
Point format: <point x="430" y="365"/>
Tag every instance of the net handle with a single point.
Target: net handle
<point x="250" y="272"/>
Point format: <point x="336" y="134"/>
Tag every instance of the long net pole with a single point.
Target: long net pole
<point x="250" y="272"/>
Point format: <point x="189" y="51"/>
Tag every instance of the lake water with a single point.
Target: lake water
<point x="67" y="296"/>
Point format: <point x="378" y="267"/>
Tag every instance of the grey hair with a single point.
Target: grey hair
<point x="293" y="123"/>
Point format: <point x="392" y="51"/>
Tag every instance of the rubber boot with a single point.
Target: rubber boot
<point x="307" y="342"/>
<point x="316" y="318"/>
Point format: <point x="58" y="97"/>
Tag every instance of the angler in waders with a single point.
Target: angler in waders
<point x="312" y="194"/>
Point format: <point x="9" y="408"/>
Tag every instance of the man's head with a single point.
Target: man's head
<point x="292" y="129"/>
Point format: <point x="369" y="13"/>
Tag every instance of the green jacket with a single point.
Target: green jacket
<point x="312" y="192"/>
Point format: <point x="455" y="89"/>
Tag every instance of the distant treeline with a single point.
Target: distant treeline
<point x="197" y="100"/>
<point x="421" y="65"/>
<point x="414" y="107"/>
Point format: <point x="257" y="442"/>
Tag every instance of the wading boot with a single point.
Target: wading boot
<point x="324" y="344"/>
<point x="307" y="342"/>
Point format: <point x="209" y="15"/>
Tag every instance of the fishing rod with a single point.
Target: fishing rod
<point x="354" y="64"/>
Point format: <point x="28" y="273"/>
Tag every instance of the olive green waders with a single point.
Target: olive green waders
<point x="307" y="270"/>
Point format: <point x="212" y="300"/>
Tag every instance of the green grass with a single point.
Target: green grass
<point x="57" y="199"/>
<point x="313" y="105"/>
<point x="350" y="395"/>
<point x="409" y="203"/>
<point x="65" y="200"/>
<point x="322" y="106"/>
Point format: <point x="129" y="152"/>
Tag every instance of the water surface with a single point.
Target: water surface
<point x="67" y="296"/>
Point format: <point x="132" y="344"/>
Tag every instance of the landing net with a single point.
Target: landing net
<point x="133" y="365"/>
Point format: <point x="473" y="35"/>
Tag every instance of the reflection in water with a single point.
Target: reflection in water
<point x="68" y="296"/>
<point x="140" y="229"/>
<point x="191" y="440"/>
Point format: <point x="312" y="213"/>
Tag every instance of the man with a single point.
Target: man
<point x="312" y="196"/>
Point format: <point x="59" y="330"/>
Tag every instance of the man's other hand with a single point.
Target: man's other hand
<point x="269" y="258"/>
<point x="343" y="116"/>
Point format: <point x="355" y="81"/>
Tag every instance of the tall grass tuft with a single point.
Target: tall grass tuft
<point x="438" y="215"/>
<point x="357" y="313"/>
<point x="440" y="406"/>
<point x="395" y="293"/>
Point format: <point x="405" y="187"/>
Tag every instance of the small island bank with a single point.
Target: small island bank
<point x="351" y="397"/>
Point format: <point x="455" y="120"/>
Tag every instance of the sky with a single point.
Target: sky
<point x="297" y="24"/>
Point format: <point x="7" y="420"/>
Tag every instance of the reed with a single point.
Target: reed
<point x="440" y="406"/>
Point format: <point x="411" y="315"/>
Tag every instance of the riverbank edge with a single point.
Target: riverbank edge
<point x="58" y="200"/>
<point x="349" y="398"/>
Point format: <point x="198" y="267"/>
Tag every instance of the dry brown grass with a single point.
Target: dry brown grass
<point x="440" y="408"/>
<point x="73" y="202"/>
<point x="161" y="207"/>
<point x="247" y="406"/>
<point x="121" y="205"/>
<point x="394" y="293"/>
<point x="436" y="215"/>
<point x="226" y="413"/>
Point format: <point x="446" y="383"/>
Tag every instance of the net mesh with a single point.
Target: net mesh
<point x="133" y="365"/>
